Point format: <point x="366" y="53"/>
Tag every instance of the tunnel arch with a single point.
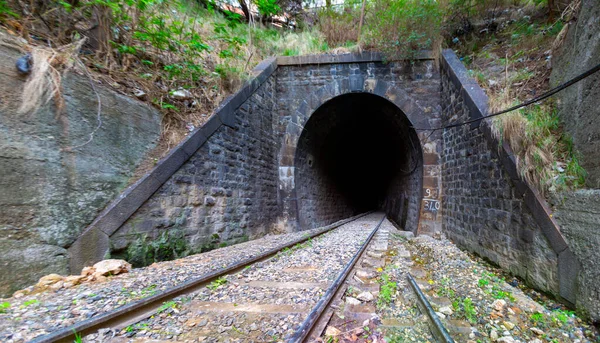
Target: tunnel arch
<point x="357" y="152"/>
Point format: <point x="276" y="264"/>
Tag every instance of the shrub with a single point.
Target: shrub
<point x="167" y="246"/>
<point x="267" y="8"/>
<point x="339" y="25"/>
<point x="545" y="155"/>
<point x="403" y="27"/>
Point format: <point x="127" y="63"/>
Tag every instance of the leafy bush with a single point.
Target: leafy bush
<point x="403" y="27"/>
<point x="267" y="8"/>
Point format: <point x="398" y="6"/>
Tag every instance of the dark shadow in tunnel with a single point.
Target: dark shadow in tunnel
<point x="357" y="153"/>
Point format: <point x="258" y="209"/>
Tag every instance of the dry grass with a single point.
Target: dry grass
<point x="300" y="43"/>
<point x="44" y="82"/>
<point x="512" y="65"/>
<point x="544" y="156"/>
<point x="535" y="164"/>
<point x="339" y="28"/>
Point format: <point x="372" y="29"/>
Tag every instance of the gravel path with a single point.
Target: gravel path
<point x="478" y="305"/>
<point x="263" y="303"/>
<point x="38" y="314"/>
<point x="392" y="313"/>
<point x="268" y="300"/>
<point x="472" y="299"/>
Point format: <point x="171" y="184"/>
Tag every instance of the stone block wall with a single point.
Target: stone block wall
<point x="484" y="206"/>
<point x="304" y="84"/>
<point x="228" y="187"/>
<point x="234" y="177"/>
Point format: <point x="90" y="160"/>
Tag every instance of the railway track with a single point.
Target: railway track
<point x="291" y="294"/>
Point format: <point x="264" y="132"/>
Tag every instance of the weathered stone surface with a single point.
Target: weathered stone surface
<point x="23" y="262"/>
<point x="227" y="187"/>
<point x="50" y="192"/>
<point x="578" y="104"/>
<point x="579" y="215"/>
<point x="365" y="296"/>
<point x="484" y="211"/>
<point x="302" y="90"/>
<point x="91" y="246"/>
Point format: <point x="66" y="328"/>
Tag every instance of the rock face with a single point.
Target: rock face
<point x="48" y="194"/>
<point x="578" y="104"/>
<point x="579" y="216"/>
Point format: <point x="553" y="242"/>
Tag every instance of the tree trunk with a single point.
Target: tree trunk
<point x="360" y="24"/>
<point x="245" y="9"/>
<point x="551" y="10"/>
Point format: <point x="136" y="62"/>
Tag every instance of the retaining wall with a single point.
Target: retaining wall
<point x="487" y="208"/>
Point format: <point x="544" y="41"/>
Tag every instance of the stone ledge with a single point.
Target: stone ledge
<point x="343" y="58"/>
<point x="476" y="101"/>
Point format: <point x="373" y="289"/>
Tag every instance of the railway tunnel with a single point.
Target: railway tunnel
<point x="357" y="153"/>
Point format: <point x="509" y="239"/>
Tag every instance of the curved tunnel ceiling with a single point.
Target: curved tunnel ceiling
<point x="355" y="153"/>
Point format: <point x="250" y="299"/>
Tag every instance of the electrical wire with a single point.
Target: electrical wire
<point x="526" y="103"/>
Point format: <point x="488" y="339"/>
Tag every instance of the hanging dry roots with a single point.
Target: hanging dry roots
<point x="44" y="83"/>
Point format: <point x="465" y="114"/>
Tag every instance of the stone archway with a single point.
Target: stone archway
<point x="405" y="206"/>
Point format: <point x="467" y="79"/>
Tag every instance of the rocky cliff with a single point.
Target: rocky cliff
<point x="578" y="104"/>
<point x="49" y="192"/>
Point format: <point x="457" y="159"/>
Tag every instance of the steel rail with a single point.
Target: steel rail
<point x="437" y="328"/>
<point x="144" y="308"/>
<point x="313" y="317"/>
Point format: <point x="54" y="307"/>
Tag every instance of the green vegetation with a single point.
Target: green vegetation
<point x="30" y="302"/>
<point x="445" y="290"/>
<point x="157" y="48"/>
<point x="491" y="284"/>
<point x="547" y="158"/>
<point x="77" y="337"/>
<point x="509" y="59"/>
<point x="556" y="318"/>
<point x="386" y="292"/>
<point x="143" y="293"/>
<point x="465" y="308"/>
<point x="167" y="246"/>
<point x="562" y="316"/>
<point x="469" y="310"/>
<point x="166" y="305"/>
<point x="288" y="251"/>
<point x="217" y="283"/>
<point x="6" y="12"/>
<point x="403" y="27"/>
<point x="4" y="306"/>
<point x="538" y="317"/>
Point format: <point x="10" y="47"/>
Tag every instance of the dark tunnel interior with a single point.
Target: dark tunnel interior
<point x="357" y="153"/>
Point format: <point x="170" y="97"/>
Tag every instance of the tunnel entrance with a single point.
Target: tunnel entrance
<point x="357" y="153"/>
